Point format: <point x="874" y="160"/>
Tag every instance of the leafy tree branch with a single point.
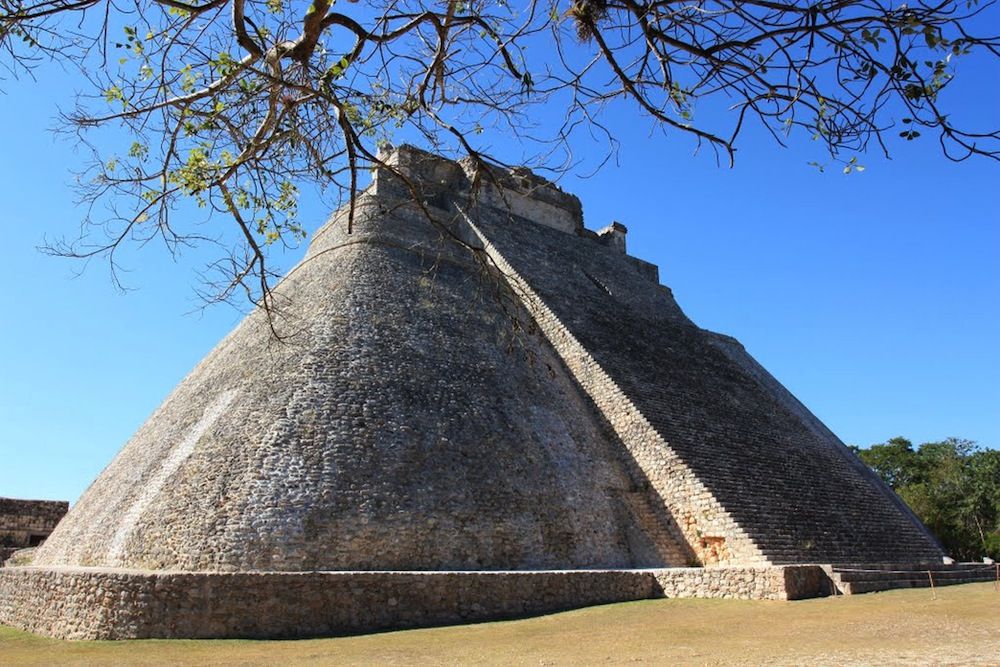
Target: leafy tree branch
<point x="235" y="106"/>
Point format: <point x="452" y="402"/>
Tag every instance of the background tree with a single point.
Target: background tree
<point x="235" y="105"/>
<point x="952" y="485"/>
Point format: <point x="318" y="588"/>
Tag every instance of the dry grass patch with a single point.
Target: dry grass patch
<point x="962" y="626"/>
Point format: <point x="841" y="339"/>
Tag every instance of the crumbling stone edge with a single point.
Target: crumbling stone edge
<point x="92" y="603"/>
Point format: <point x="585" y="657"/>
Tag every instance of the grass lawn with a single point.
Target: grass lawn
<point x="962" y="626"/>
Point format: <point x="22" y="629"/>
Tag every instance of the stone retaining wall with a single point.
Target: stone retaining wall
<point x="85" y="603"/>
<point x="750" y="583"/>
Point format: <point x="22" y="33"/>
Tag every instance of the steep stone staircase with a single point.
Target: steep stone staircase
<point x="647" y="512"/>
<point x="854" y="579"/>
<point x="716" y="444"/>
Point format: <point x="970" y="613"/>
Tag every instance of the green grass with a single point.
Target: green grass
<point x="962" y="626"/>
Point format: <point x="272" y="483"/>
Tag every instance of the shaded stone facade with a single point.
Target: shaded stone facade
<point x="470" y="381"/>
<point x="26" y="523"/>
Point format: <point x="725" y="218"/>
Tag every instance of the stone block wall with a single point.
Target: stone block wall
<point x="96" y="604"/>
<point x="401" y="425"/>
<point x="692" y="515"/>
<point x="745" y="476"/>
<point x="752" y="583"/>
<point x="436" y="180"/>
<point x="26" y="523"/>
<point x="735" y="351"/>
<point x="121" y="604"/>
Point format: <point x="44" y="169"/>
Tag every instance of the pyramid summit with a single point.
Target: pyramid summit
<point x="481" y="409"/>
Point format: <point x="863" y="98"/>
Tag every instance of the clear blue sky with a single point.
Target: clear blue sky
<point x="874" y="297"/>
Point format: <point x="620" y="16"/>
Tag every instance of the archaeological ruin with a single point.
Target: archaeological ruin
<point x="479" y="409"/>
<point x="24" y="524"/>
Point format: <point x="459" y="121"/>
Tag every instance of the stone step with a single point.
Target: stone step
<point x="641" y="505"/>
<point x="792" y="552"/>
<point x="911" y="566"/>
<point x="939" y="575"/>
<point x="859" y="587"/>
<point x="852" y="580"/>
<point x="783" y="485"/>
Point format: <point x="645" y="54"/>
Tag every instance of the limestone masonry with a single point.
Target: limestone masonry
<point x="448" y="434"/>
<point x="26" y="523"/>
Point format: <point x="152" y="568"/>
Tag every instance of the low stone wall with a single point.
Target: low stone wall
<point x="108" y="604"/>
<point x="752" y="583"/>
<point x="120" y="604"/>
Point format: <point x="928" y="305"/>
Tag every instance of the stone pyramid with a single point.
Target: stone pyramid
<point x="444" y="434"/>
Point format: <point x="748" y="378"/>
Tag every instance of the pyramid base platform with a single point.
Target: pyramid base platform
<point x="92" y="603"/>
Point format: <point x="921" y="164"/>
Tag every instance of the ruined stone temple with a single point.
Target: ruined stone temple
<point x="410" y="455"/>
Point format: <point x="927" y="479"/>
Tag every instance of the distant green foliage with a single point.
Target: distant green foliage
<point x="953" y="486"/>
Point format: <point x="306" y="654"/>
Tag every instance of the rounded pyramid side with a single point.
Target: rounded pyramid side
<point x="402" y="424"/>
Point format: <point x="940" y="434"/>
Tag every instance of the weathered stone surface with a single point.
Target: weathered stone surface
<point x="123" y="604"/>
<point x="540" y="403"/>
<point x="746" y="476"/>
<point x="26" y="523"/>
<point x="392" y="430"/>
